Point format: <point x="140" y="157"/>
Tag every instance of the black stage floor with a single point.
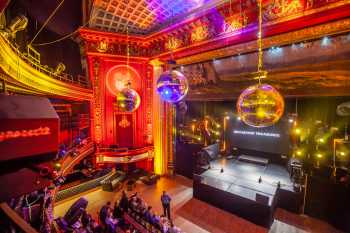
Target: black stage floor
<point x="237" y="189"/>
<point x="241" y="178"/>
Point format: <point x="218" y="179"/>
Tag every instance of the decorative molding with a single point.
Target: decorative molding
<point x="228" y="24"/>
<point x="97" y="102"/>
<point x="302" y="35"/>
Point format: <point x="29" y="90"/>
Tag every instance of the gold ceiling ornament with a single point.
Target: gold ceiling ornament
<point x="124" y="123"/>
<point x="102" y="46"/>
<point x="200" y="33"/>
<point x="260" y="105"/>
<point x="173" y="43"/>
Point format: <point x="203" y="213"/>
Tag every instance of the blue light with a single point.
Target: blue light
<point x="276" y="51"/>
<point x="325" y="41"/>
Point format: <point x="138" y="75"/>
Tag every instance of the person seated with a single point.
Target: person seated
<point x="117" y="212"/>
<point x="134" y="195"/>
<point x="134" y="204"/>
<point x="155" y="220"/>
<point x="85" y="219"/>
<point x="111" y="223"/>
<point x="173" y="229"/>
<point x="164" y="223"/>
<point x="104" y="212"/>
<point x="147" y="214"/>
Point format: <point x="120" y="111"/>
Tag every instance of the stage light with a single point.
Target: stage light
<point x="319" y="155"/>
<point x="19" y="23"/>
<point x="227" y="117"/>
<point x="342" y="153"/>
<point x="218" y="125"/>
<point x="217" y="133"/>
<point x="321" y="140"/>
<point x="57" y="166"/>
<point x="299" y="152"/>
<point x="290" y="120"/>
<point x="238" y="118"/>
<point x="297" y="131"/>
<point x="199" y="138"/>
<point x="325" y="41"/>
<point x="193" y="127"/>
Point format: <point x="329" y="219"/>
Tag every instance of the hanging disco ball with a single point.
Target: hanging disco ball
<point x="172" y="86"/>
<point x="128" y="100"/>
<point x="260" y="105"/>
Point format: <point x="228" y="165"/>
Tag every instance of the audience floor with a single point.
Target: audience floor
<point x="194" y="216"/>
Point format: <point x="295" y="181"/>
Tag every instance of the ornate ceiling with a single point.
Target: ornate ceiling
<point x="144" y="16"/>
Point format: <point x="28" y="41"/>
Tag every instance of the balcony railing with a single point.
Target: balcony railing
<point x="33" y="59"/>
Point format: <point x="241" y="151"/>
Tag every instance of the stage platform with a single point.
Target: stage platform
<point x="237" y="189"/>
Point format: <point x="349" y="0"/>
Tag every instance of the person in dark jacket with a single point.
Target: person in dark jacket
<point x="165" y="199"/>
<point x="104" y="212"/>
<point x="124" y="202"/>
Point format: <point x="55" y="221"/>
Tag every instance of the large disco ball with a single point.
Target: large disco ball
<point x="172" y="86"/>
<point x="260" y="105"/>
<point x="128" y="100"/>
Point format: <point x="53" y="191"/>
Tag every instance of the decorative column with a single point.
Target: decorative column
<point x="170" y="131"/>
<point x="159" y="123"/>
<point x="96" y="107"/>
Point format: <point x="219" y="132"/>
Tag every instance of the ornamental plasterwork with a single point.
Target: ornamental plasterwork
<point x="282" y="39"/>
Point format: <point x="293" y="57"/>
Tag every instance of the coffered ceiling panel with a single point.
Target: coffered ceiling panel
<point x="143" y="16"/>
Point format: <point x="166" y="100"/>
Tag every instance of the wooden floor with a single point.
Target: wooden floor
<point x="194" y="216"/>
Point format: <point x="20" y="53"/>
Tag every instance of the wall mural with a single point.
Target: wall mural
<point x="319" y="67"/>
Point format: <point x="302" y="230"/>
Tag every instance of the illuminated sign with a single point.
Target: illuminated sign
<point x="12" y="134"/>
<point x="256" y="133"/>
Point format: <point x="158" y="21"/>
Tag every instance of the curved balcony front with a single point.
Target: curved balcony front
<point x="23" y="73"/>
<point x="124" y="156"/>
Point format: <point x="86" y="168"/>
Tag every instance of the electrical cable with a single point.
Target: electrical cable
<point x="47" y="21"/>
<point x="64" y="37"/>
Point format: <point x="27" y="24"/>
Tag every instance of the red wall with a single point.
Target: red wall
<point x="139" y="116"/>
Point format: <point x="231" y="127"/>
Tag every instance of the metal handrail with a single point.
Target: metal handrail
<point x="79" y="80"/>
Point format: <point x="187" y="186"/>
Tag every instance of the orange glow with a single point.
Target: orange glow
<point x="118" y="77"/>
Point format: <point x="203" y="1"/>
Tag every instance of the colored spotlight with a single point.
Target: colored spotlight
<point x="299" y="152"/>
<point x="297" y="131"/>
<point x="321" y="140"/>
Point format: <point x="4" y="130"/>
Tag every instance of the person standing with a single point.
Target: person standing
<point x="124" y="202"/>
<point x="165" y="199"/>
